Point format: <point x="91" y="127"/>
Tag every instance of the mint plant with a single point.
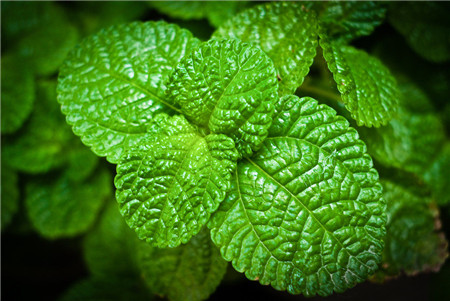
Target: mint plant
<point x="278" y="145"/>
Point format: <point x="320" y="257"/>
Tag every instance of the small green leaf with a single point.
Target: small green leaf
<point x="412" y="139"/>
<point x="169" y="184"/>
<point x="9" y="195"/>
<point x="425" y="26"/>
<point x="60" y="208"/>
<point x="347" y="20"/>
<point x="305" y="213"/>
<point x="111" y="85"/>
<point x="367" y="88"/>
<point x="229" y="87"/>
<point x="285" y="32"/>
<point x="437" y="176"/>
<point x="17" y="93"/>
<point x="41" y="145"/>
<point x="189" y="272"/>
<point x="81" y="161"/>
<point x="109" y="250"/>
<point x="413" y="241"/>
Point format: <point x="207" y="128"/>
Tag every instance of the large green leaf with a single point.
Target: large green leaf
<point x="283" y="30"/>
<point x="425" y="26"/>
<point x="346" y="20"/>
<point x="413" y="138"/>
<point x="111" y="85"/>
<point x="17" y="93"/>
<point x="305" y="213"/>
<point x="367" y="88"/>
<point x="9" y="195"/>
<point x="437" y="176"/>
<point x="169" y="184"/>
<point x="189" y="272"/>
<point x="58" y="207"/>
<point x="413" y="241"/>
<point x="229" y="87"/>
<point x="109" y="250"/>
<point x="43" y="142"/>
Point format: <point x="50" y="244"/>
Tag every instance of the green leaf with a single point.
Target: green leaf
<point x="107" y="289"/>
<point x="413" y="138"/>
<point x="189" y="272"/>
<point x="425" y="26"/>
<point x="60" y="208"/>
<point x="168" y="185"/>
<point x="41" y="144"/>
<point x="17" y="93"/>
<point x="109" y="250"/>
<point x="436" y="176"/>
<point x="347" y="20"/>
<point x="9" y="195"/>
<point x="413" y="241"/>
<point x="305" y="213"/>
<point x="285" y="32"/>
<point x="367" y="88"/>
<point x="111" y="85"/>
<point x="229" y="87"/>
<point x="81" y="161"/>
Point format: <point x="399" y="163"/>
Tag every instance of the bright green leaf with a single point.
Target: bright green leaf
<point x="425" y="26"/>
<point x="58" y="207"/>
<point x="437" y="176"/>
<point x="9" y="195"/>
<point x="17" y="93"/>
<point x="229" y="87"/>
<point x="413" y="242"/>
<point x="189" y="272"/>
<point x="111" y="85"/>
<point x="412" y="139"/>
<point x="42" y="143"/>
<point x="285" y="31"/>
<point x="169" y="184"/>
<point x="367" y="88"/>
<point x="305" y="213"/>
<point x="346" y="20"/>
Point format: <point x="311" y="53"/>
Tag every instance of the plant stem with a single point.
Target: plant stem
<point x="307" y="89"/>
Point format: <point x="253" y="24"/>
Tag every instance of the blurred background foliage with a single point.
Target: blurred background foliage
<point x="62" y="237"/>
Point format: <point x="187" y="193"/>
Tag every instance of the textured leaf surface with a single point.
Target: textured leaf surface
<point x="60" y="208"/>
<point x="111" y="85"/>
<point x="305" y="214"/>
<point x="17" y="93"/>
<point x="9" y="195"/>
<point x="346" y="20"/>
<point x="413" y="138"/>
<point x="438" y="174"/>
<point x="189" y="272"/>
<point x="413" y="241"/>
<point x="229" y="87"/>
<point x="425" y="26"/>
<point x="168" y="185"/>
<point x="107" y="289"/>
<point x="109" y="250"/>
<point x="41" y="143"/>
<point x="283" y="30"/>
<point x="367" y="88"/>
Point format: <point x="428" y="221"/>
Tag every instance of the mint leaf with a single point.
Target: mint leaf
<point x="111" y="85"/>
<point x="347" y="20"/>
<point x="413" y="138"/>
<point x="229" y="87"/>
<point x="367" y="88"/>
<point x="285" y="31"/>
<point x="61" y="208"/>
<point x="305" y="213"/>
<point x="10" y="195"/>
<point x="425" y="26"/>
<point x="188" y="272"/>
<point x="168" y="185"/>
<point x="17" y="93"/>
<point x="41" y="144"/>
<point x="413" y="241"/>
<point x="436" y="176"/>
<point x="81" y="161"/>
<point x="109" y="250"/>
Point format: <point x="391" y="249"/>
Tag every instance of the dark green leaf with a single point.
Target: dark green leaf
<point x="9" y="195"/>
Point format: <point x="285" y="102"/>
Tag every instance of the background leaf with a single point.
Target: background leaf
<point x="9" y="195"/>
